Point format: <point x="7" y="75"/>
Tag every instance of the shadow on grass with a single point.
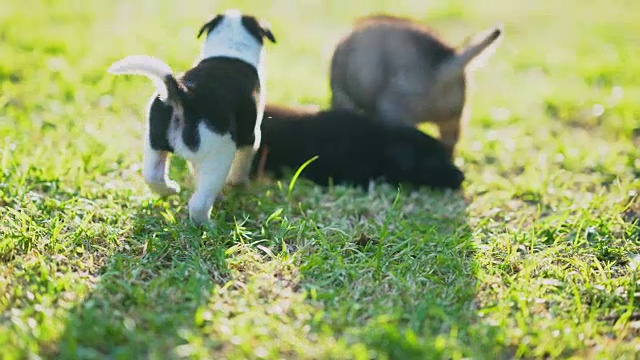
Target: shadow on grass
<point x="147" y="296"/>
<point x="402" y="281"/>
<point x="333" y="273"/>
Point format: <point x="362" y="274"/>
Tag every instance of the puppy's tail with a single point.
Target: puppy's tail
<point x="153" y="68"/>
<point x="468" y="53"/>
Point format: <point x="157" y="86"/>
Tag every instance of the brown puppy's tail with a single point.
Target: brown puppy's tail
<point x="169" y="89"/>
<point x="465" y="55"/>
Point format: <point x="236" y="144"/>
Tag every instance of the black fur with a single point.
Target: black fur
<point x="257" y="30"/>
<point x="159" y="122"/>
<point x="351" y="149"/>
<point x="209" y="26"/>
<point x="222" y="92"/>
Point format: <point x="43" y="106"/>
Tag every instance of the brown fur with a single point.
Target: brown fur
<point x="398" y="71"/>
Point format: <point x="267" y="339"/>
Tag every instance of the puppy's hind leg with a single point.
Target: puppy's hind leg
<point x="211" y="170"/>
<point x="157" y="147"/>
<point x="241" y="166"/>
<point x="248" y="141"/>
<point x="155" y="168"/>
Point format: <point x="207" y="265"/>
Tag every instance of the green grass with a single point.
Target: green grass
<point x="537" y="258"/>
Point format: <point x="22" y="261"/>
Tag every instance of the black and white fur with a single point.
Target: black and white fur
<point x="351" y="150"/>
<point x="211" y="115"/>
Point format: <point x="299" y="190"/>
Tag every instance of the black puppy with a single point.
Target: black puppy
<point x="211" y="115"/>
<point x="351" y="149"/>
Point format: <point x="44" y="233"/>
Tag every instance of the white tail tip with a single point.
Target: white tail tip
<point x="149" y="66"/>
<point x="140" y="64"/>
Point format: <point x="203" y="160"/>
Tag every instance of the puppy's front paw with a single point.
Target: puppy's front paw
<point x="165" y="188"/>
<point x="199" y="211"/>
<point x="199" y="220"/>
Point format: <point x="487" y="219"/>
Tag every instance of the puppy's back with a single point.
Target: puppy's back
<point x="223" y="75"/>
<point x="225" y="92"/>
<point x="342" y="140"/>
<point x="351" y="149"/>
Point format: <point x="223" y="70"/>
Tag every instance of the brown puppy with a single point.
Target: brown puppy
<point x="398" y="72"/>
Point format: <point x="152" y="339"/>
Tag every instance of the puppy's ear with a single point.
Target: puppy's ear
<point x="208" y="27"/>
<point x="266" y="30"/>
<point x="258" y="30"/>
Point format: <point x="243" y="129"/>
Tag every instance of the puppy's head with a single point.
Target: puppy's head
<point x="233" y="19"/>
<point x="235" y="35"/>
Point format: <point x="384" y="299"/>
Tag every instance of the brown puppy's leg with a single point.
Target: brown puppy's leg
<point x="450" y="134"/>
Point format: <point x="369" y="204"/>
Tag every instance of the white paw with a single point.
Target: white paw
<point x="199" y="219"/>
<point x="164" y="188"/>
<point x="198" y="212"/>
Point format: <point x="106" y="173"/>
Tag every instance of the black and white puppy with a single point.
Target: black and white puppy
<point x="210" y="115"/>
<point x="351" y="149"/>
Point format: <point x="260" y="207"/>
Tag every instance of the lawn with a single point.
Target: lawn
<point x="538" y="257"/>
